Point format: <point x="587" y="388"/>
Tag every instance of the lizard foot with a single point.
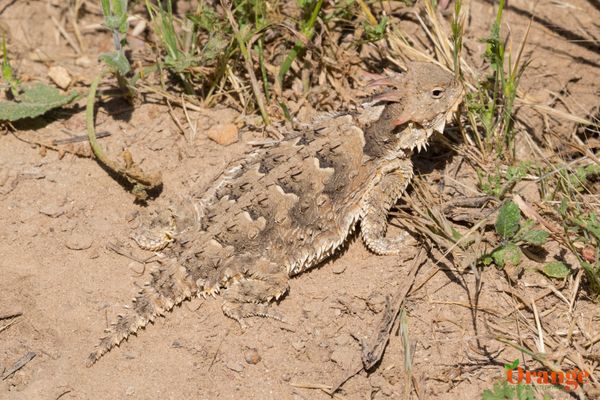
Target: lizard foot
<point x="391" y="246"/>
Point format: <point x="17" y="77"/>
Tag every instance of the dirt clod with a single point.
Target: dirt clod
<point x="78" y="241"/>
<point x="223" y="134"/>
<point x="235" y="366"/>
<point x="60" y="76"/>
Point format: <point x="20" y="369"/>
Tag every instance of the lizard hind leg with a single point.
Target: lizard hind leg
<point x="250" y="296"/>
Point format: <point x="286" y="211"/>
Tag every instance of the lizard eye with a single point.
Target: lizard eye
<point x="437" y="92"/>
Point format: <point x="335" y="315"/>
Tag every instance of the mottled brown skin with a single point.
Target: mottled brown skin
<point x="286" y="207"/>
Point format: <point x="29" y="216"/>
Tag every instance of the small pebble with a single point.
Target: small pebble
<point x="298" y="345"/>
<point x="224" y="134"/>
<point x="252" y="357"/>
<point x="130" y="391"/>
<point x="78" y="241"/>
<point x="338" y="268"/>
<point x="235" y="366"/>
<point x="53" y="210"/>
<point x="83" y="61"/>
<point x="588" y="253"/>
<point x="60" y="76"/>
<point x="286" y="377"/>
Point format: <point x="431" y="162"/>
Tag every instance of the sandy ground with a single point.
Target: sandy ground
<point x="59" y="215"/>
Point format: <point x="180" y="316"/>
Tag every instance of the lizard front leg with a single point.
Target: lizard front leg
<point x="377" y="206"/>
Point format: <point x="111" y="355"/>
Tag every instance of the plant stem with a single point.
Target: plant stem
<point x="142" y="183"/>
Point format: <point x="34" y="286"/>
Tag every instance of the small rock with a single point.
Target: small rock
<point x="235" y="366"/>
<point x="53" y="210"/>
<point x="83" y="61"/>
<point x="79" y="242"/>
<point x="338" y="268"/>
<point x="130" y="391"/>
<point x="588" y="253"/>
<point x="224" y="134"/>
<point x="60" y="76"/>
<point x="298" y="345"/>
<point x="342" y="356"/>
<point x="252" y="357"/>
<point x="286" y="377"/>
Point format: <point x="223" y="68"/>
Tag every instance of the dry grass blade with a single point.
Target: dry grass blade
<point x="372" y="350"/>
<point x="527" y="101"/>
<point x="11" y="314"/>
<point x="21" y="362"/>
<point x="438" y="36"/>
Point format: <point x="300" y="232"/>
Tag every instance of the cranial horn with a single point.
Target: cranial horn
<point x="390" y="95"/>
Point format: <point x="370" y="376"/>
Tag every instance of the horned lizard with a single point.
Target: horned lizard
<point x="286" y="207"/>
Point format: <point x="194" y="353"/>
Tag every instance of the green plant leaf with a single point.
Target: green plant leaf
<point x="509" y="254"/>
<point x="512" y="365"/>
<point x="487" y="260"/>
<point x="507" y="223"/>
<point x="593" y="225"/>
<point x="116" y="62"/>
<point x="33" y="102"/>
<point x="556" y="269"/>
<point x="7" y="72"/>
<point x="526" y="226"/>
<point x="536" y="237"/>
<point x="564" y="206"/>
<point x="374" y="33"/>
<point x="115" y="14"/>
<point x="502" y="391"/>
<point x="505" y="391"/>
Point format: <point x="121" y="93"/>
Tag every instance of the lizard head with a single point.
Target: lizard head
<point x="418" y="103"/>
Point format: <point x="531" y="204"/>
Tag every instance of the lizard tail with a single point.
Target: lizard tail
<point x="169" y="286"/>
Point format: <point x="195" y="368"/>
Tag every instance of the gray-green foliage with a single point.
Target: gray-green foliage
<point x="514" y="232"/>
<point x="556" y="269"/>
<point x="376" y="32"/>
<point x="115" y="19"/>
<point x="505" y="391"/>
<point x="500" y="183"/>
<point x="507" y="223"/>
<point x="29" y="101"/>
<point x="34" y="101"/>
<point x="584" y="228"/>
